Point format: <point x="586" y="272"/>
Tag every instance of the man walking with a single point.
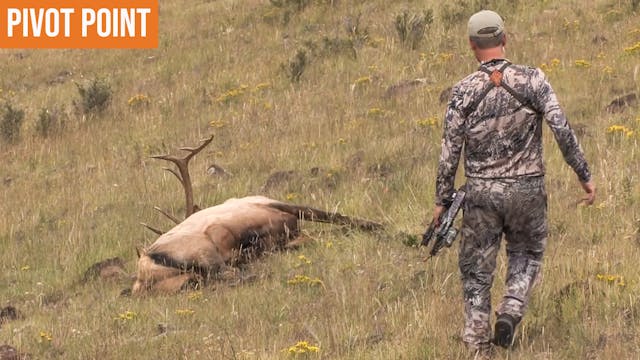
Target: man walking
<point x="496" y="114"/>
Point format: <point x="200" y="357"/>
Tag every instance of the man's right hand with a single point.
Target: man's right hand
<point x="590" y="188"/>
<point x="437" y="212"/>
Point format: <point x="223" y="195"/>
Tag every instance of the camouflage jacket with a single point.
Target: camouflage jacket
<point x="502" y="137"/>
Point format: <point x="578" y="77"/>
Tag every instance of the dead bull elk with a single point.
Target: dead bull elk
<point x="211" y="239"/>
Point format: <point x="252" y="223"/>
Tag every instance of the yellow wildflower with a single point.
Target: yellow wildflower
<point x="45" y="336"/>
<point x="292" y="196"/>
<point x="305" y="280"/>
<point x="231" y="94"/>
<point x="303" y="260"/>
<point x="262" y="86"/>
<point x="25" y="268"/>
<point x="582" y="63"/>
<point x="375" y="112"/>
<point x="621" y="129"/>
<point x="194" y="295"/>
<point x="571" y="25"/>
<point x="428" y="122"/>
<point x="127" y="315"/>
<point x="311" y="145"/>
<point x="138" y="100"/>
<point x="612" y="279"/>
<point x="217" y="124"/>
<point x="362" y="80"/>
<point x="551" y="66"/>
<point x="302" y="347"/>
<point x="607" y="70"/>
<point x="615" y="128"/>
<point x="444" y="58"/>
<point x="633" y="49"/>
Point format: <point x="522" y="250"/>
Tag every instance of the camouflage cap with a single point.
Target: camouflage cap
<point x="485" y="24"/>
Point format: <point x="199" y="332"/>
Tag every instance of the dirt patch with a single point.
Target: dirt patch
<point x="109" y="269"/>
<point x="278" y="179"/>
<point x="10" y="353"/>
<point x="355" y="161"/>
<point x="445" y="95"/>
<point x="404" y="87"/>
<point x="9" y="313"/>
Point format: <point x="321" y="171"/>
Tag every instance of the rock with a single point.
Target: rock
<point x="445" y="95"/>
<point x="217" y="171"/>
<point x="109" y="269"/>
<point x="404" y="87"/>
<point x="61" y="78"/>
<point x="8" y="313"/>
<point x="10" y="353"/>
<point x="278" y="178"/>
<point x="623" y="102"/>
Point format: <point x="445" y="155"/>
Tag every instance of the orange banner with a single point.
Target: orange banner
<point x="96" y="24"/>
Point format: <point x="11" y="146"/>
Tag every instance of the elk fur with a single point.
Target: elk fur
<point x="215" y="237"/>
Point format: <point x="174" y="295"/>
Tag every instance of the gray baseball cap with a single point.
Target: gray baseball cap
<point x="485" y="24"/>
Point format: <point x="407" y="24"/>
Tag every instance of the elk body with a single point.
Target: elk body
<point x="211" y="239"/>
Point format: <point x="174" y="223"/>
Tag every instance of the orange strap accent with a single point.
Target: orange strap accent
<point x="496" y="77"/>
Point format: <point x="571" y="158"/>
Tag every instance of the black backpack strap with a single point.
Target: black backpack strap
<point x="496" y="80"/>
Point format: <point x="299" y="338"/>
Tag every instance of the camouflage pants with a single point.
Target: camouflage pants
<point x="516" y="208"/>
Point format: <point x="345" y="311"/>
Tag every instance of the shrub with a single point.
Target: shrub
<point x="358" y="33"/>
<point x="296" y="65"/>
<point x="11" y="123"/>
<point x="411" y="27"/>
<point x="49" y="122"/>
<point x="338" y="46"/>
<point x="95" y="97"/>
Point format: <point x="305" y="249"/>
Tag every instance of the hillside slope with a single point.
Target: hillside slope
<point x="326" y="92"/>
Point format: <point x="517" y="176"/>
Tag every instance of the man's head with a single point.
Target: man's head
<point x="486" y="30"/>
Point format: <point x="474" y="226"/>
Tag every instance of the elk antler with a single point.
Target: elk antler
<point x="183" y="173"/>
<point x="159" y="232"/>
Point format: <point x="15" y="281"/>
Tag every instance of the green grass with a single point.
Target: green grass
<point x="77" y="196"/>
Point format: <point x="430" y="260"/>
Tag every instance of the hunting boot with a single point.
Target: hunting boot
<point x="504" y="330"/>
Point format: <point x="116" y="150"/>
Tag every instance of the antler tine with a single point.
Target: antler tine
<point x="183" y="171"/>
<point x="194" y="150"/>
<point x="171" y="217"/>
<point x="175" y="173"/>
<point x="158" y="232"/>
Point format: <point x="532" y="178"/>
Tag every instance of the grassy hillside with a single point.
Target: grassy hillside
<point x="76" y="180"/>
